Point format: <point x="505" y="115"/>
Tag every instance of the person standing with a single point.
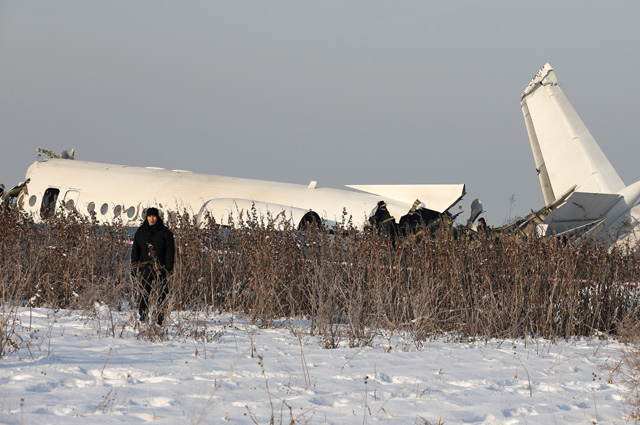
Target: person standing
<point x="482" y="227"/>
<point x="152" y="259"/>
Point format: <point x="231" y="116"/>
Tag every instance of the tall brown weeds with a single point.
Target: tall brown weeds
<point x="627" y="370"/>
<point x="67" y="262"/>
<point x="350" y="285"/>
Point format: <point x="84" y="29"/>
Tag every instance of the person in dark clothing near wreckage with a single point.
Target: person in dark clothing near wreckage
<point x="152" y="258"/>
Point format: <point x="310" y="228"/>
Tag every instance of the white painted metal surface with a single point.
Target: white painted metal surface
<point x="436" y="197"/>
<point x="566" y="155"/>
<point x="122" y="192"/>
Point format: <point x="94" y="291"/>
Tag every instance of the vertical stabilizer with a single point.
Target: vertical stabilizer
<point x="541" y="167"/>
<point x="564" y="150"/>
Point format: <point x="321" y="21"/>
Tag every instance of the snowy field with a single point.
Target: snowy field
<point x="73" y="371"/>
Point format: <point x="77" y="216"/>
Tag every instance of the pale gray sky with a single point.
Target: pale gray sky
<point x="343" y="92"/>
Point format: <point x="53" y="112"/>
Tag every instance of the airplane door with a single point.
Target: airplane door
<point x="49" y="200"/>
<point x="71" y="199"/>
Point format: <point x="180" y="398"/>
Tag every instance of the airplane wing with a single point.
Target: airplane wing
<point x="564" y="150"/>
<point x="580" y="209"/>
<point x="436" y="197"/>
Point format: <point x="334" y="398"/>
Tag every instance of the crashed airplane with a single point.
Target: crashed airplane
<point x="121" y="193"/>
<point x="583" y="194"/>
<point x="586" y="195"/>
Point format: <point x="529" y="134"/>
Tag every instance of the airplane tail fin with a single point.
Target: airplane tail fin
<point x="564" y="150"/>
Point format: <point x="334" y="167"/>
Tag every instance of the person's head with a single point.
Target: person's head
<point x="152" y="216"/>
<point x="481" y="222"/>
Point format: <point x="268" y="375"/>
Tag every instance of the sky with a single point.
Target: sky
<point x="360" y="92"/>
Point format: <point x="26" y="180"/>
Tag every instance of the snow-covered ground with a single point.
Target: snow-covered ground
<point x="71" y="370"/>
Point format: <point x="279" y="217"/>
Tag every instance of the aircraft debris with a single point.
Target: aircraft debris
<point x="569" y="160"/>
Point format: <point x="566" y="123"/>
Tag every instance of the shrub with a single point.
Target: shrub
<point x="349" y="284"/>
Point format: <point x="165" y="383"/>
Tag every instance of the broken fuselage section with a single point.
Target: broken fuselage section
<point x="119" y="193"/>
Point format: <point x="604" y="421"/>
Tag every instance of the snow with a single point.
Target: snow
<point x="221" y="368"/>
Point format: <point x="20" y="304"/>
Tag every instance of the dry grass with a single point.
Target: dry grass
<point x="627" y="370"/>
<point x="349" y="284"/>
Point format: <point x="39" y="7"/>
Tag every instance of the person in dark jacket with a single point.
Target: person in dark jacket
<point x="483" y="230"/>
<point x="152" y="258"/>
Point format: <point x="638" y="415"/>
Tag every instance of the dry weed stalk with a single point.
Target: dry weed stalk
<point x="350" y="285"/>
<point x="628" y="369"/>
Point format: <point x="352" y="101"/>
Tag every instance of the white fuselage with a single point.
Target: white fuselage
<point x="115" y="192"/>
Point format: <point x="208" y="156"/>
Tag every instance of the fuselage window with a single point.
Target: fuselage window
<point x="32" y="200"/>
<point x="49" y="199"/>
<point x="91" y="207"/>
<point x="131" y="212"/>
<point x="104" y="208"/>
<point x="117" y="210"/>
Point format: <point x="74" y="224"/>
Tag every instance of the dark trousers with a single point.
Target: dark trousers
<point x="152" y="284"/>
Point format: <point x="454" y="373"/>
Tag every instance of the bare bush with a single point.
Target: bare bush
<point x="63" y="262"/>
<point x="628" y="369"/>
<point x="350" y="285"/>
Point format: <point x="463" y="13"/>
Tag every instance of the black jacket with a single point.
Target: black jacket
<point x="156" y="238"/>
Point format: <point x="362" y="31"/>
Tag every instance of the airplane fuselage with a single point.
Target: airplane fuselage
<point x="120" y="192"/>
